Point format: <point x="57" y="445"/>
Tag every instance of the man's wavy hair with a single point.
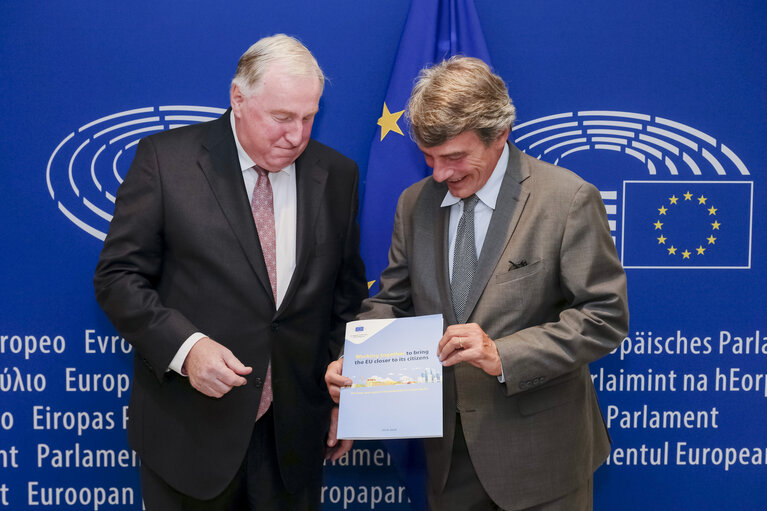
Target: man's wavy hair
<point x="457" y="95"/>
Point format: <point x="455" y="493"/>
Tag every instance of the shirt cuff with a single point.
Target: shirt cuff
<point x="178" y="361"/>
<point x="501" y="377"/>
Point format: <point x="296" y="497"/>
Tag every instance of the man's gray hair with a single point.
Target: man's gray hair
<point x="277" y="49"/>
<point x="457" y="95"/>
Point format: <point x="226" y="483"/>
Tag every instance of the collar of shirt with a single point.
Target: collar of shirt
<point x="488" y="194"/>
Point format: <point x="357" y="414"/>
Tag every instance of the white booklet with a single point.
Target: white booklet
<point x="397" y="379"/>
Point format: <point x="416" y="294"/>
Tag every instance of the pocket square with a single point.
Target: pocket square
<point x="515" y="265"/>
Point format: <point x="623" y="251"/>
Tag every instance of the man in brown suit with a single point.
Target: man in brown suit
<point x="517" y="255"/>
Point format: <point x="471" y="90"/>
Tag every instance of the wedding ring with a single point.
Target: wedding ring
<point x="460" y="342"/>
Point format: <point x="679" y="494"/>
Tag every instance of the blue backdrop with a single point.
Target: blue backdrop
<point x="661" y="104"/>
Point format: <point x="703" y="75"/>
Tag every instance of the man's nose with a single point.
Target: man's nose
<point x="294" y="132"/>
<point x="441" y="171"/>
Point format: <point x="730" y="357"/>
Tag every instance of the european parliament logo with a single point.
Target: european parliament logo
<point x="88" y="165"/>
<point x="691" y="209"/>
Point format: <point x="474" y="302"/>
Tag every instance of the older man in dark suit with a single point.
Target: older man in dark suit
<point x="517" y="255"/>
<point x="231" y="266"/>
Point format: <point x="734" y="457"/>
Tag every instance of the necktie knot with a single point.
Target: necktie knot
<point x="469" y="203"/>
<point x="261" y="172"/>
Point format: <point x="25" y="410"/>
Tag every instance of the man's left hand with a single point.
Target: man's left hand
<point x="335" y="447"/>
<point x="469" y="343"/>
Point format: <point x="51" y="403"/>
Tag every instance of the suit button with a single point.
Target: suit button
<point x="258" y="382"/>
<point x="275" y="326"/>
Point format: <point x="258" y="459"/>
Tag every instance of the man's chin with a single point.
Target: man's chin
<point x="460" y="192"/>
<point x="280" y="163"/>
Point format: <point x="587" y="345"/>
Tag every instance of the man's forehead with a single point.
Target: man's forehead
<point x="288" y="94"/>
<point x="456" y="146"/>
<point x="286" y="110"/>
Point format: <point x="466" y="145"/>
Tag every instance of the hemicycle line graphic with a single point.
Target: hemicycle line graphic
<point x="88" y="165"/>
<point x="663" y="145"/>
<point x="86" y="168"/>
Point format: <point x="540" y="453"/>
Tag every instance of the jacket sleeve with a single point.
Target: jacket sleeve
<point x="350" y="286"/>
<point x="130" y="266"/>
<point x="594" y="318"/>
<point x="394" y="299"/>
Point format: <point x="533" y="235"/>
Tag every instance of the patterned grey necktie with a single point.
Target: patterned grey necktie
<point x="464" y="257"/>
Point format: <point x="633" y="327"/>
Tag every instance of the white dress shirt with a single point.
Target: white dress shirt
<point x="284" y="201"/>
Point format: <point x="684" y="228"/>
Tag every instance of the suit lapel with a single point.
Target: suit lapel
<point x="224" y="176"/>
<point x="441" y="250"/>
<point x="311" y="178"/>
<point x="508" y="209"/>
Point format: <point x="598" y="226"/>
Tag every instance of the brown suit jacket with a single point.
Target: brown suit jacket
<point x="551" y="292"/>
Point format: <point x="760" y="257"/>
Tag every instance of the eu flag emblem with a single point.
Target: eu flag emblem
<point x="687" y="224"/>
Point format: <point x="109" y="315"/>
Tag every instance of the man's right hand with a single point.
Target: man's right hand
<point x="213" y="369"/>
<point x="334" y="380"/>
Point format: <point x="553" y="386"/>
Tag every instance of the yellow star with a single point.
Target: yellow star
<point x="662" y="239"/>
<point x="715" y="225"/>
<point x="662" y="210"/>
<point x="711" y="240"/>
<point x="673" y="199"/>
<point x="712" y="211"/>
<point x="686" y="254"/>
<point x="370" y="283"/>
<point x="672" y="250"/>
<point x="701" y="200"/>
<point x="388" y="122"/>
<point x="700" y="250"/>
<point x="688" y="196"/>
<point x="658" y="225"/>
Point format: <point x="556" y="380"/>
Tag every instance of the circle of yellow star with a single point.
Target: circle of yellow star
<point x="388" y="121"/>
<point x="667" y="211"/>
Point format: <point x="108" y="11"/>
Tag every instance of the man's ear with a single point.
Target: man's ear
<point x="503" y="137"/>
<point x="235" y="99"/>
